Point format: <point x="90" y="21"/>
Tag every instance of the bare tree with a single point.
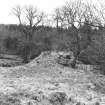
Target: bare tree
<point x="44" y="18"/>
<point x="17" y="11"/>
<point x="76" y="15"/>
<point x="34" y="18"/>
<point x="100" y="11"/>
<point x="57" y="17"/>
<point x="70" y="12"/>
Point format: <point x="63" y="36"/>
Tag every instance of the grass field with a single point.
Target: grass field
<point x="44" y="84"/>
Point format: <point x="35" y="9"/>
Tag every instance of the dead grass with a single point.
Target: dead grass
<point x="34" y="83"/>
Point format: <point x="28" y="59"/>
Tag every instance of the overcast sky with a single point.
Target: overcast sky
<point x="44" y="5"/>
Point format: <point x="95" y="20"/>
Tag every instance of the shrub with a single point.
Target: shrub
<point x="46" y="44"/>
<point x="9" y="100"/>
<point x="58" y="98"/>
<point x="11" y="43"/>
<point x="28" y="50"/>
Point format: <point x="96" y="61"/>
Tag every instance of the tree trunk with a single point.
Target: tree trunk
<point x="20" y="23"/>
<point x="78" y="49"/>
<point x="73" y="64"/>
<point x="57" y="24"/>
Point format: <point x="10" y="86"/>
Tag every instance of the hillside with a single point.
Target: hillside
<point x="44" y="82"/>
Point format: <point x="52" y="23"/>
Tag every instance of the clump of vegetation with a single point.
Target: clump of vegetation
<point x="28" y="51"/>
<point x="58" y="98"/>
<point x="9" y="100"/>
<point x="11" y="43"/>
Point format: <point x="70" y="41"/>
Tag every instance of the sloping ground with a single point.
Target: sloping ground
<point x="44" y="82"/>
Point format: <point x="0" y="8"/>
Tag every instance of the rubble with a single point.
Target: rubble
<point x="65" y="58"/>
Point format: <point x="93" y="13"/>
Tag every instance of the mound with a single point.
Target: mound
<point x="44" y="82"/>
